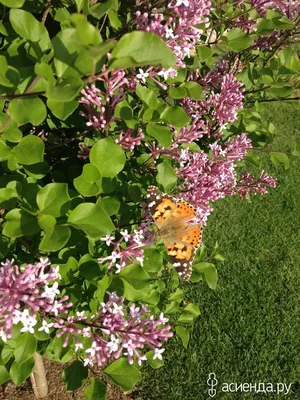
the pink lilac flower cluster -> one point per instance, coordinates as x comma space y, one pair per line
129, 248
247, 184
99, 104
179, 30
129, 140
226, 103
221, 104
25, 294
27, 298
207, 178
118, 330
289, 8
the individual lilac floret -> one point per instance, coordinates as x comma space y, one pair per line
118, 330
24, 294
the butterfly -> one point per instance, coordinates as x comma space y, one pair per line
181, 238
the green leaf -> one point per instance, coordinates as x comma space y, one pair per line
172, 308
111, 205
80, 4
4, 375
62, 109
103, 285
100, 9
13, 135
135, 192
190, 312
123, 374
30, 150
96, 390
210, 273
75, 376
184, 335
161, 133
175, 116
265, 26
38, 170
19, 223
89, 268
45, 71
178, 296
55, 350
194, 90
141, 48
147, 96
123, 111
282, 90
66, 90
92, 219
89, 182
67, 270
66, 50
155, 364
9, 76
97, 52
178, 92
280, 158
27, 110
21, 372
87, 34
238, 40
153, 298
6, 354
132, 294
25, 348
152, 259
8, 198
289, 59
12, 3
55, 239
4, 151
166, 176
283, 23
135, 275
54, 199
204, 52
219, 257
296, 153
27, 26
108, 157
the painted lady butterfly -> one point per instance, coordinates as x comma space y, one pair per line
172, 217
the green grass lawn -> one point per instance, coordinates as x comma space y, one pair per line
249, 328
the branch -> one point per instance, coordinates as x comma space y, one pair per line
20, 95
46, 12
272, 100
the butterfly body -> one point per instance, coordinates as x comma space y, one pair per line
173, 218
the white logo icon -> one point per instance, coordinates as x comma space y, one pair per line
212, 381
